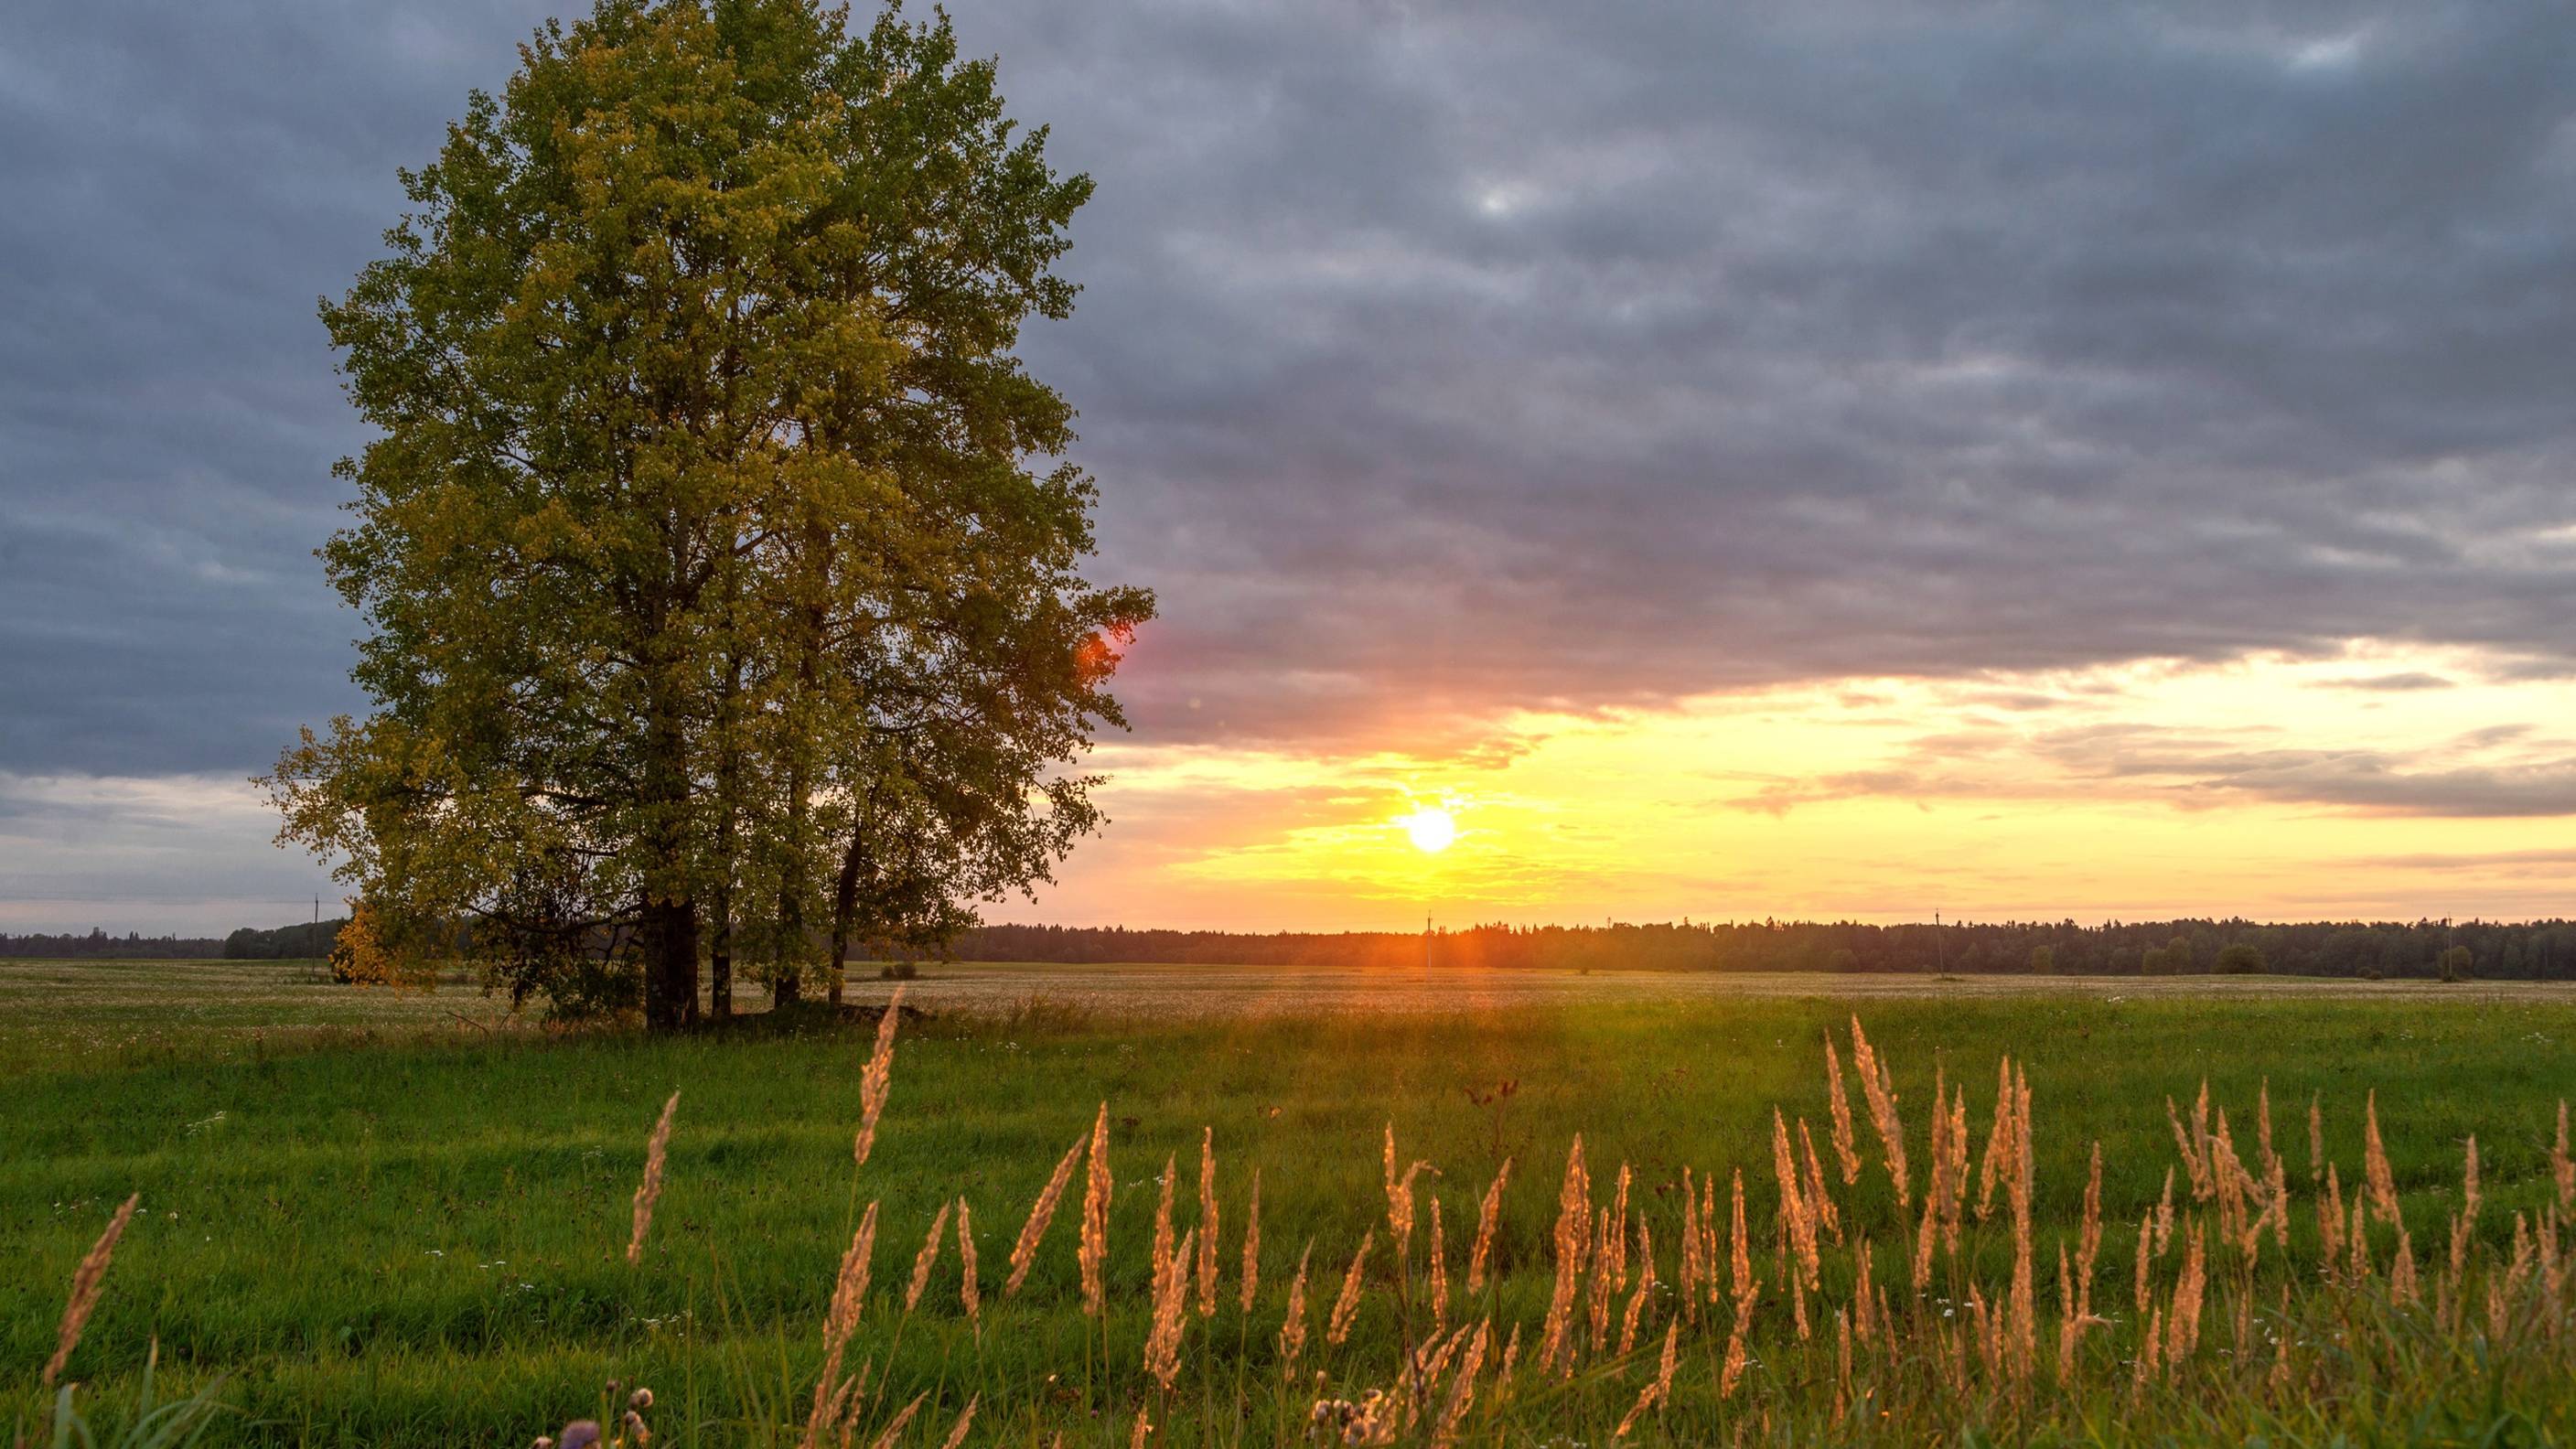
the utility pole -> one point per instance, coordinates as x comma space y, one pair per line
1940, 955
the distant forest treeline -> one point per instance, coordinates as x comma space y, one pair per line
2536, 950
298, 942
301, 941
131, 946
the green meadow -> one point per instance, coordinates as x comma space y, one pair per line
377, 1219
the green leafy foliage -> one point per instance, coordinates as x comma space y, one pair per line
716, 573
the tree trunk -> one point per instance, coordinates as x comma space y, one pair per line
670, 940
845, 901
791, 936
816, 548
720, 961
728, 794
669, 923
786, 987
787, 951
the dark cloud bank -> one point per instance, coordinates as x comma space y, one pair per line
1439, 362
2196, 769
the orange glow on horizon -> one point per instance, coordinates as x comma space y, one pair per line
2273, 787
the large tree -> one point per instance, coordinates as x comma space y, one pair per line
713, 537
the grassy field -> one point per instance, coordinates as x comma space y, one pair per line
393, 1220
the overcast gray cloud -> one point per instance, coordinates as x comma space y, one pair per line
1441, 361
175, 852
2372, 781
1624, 355
2403, 682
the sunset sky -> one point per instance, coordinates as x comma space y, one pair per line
1858, 460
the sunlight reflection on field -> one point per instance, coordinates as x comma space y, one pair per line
1201, 991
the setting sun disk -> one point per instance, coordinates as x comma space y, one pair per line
1430, 828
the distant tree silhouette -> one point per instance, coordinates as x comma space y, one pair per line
2240, 959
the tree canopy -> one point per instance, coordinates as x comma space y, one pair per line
721, 573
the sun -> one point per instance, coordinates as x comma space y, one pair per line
1430, 828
